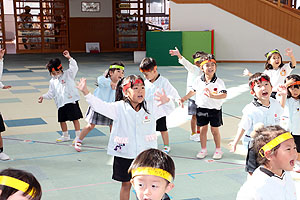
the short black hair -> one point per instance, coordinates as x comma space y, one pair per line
54, 64
296, 77
148, 63
269, 66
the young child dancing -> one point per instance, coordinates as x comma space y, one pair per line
154, 82
19, 185
153, 173
193, 72
3, 156
62, 89
210, 92
275, 69
276, 154
292, 110
106, 91
134, 122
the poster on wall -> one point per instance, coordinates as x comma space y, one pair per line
92, 47
90, 6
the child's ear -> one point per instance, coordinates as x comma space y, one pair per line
169, 187
268, 154
131, 181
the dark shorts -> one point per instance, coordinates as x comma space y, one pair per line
192, 107
273, 95
251, 163
297, 142
120, 169
207, 116
161, 124
2, 126
69, 112
95, 118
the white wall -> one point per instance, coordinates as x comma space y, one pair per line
105, 10
235, 38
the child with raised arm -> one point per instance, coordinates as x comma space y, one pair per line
17, 184
193, 72
62, 89
106, 91
276, 154
134, 123
210, 92
154, 82
3, 156
153, 173
276, 69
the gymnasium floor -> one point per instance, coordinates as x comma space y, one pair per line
32, 129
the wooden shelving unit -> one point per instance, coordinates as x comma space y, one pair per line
2, 27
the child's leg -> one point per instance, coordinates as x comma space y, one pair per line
110, 127
86, 130
1, 141
165, 137
217, 137
125, 190
203, 136
63, 126
76, 125
65, 135
193, 123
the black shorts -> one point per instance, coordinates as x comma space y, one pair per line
251, 163
69, 112
207, 116
161, 124
120, 169
2, 126
297, 142
192, 107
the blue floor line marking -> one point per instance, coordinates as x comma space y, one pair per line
93, 133
24, 122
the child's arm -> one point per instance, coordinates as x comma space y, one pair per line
187, 96
165, 106
289, 53
282, 92
49, 95
175, 53
237, 138
221, 95
247, 73
2, 51
73, 67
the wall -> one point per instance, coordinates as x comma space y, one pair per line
235, 38
91, 27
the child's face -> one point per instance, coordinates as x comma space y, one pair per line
285, 157
136, 94
262, 90
56, 74
275, 60
295, 91
209, 68
149, 187
17, 196
151, 75
116, 75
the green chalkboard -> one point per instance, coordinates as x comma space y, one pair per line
193, 41
158, 45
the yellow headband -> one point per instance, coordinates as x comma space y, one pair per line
206, 61
116, 67
152, 171
196, 59
15, 183
276, 141
271, 52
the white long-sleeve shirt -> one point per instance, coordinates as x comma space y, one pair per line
193, 73
63, 89
1, 71
132, 132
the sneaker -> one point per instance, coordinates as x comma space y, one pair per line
166, 149
63, 139
201, 154
217, 155
195, 137
77, 146
75, 140
3, 156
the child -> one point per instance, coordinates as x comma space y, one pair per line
19, 185
154, 82
63, 89
193, 72
153, 172
292, 107
276, 153
3, 156
134, 121
106, 91
210, 92
275, 69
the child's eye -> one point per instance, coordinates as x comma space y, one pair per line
154, 186
141, 185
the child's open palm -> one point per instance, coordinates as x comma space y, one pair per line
289, 52
81, 85
161, 97
174, 52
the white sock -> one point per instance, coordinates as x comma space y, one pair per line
65, 134
77, 133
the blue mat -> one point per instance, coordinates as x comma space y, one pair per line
93, 133
24, 122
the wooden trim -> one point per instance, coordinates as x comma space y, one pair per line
246, 61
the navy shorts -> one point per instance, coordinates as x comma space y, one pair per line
161, 124
192, 107
120, 169
207, 116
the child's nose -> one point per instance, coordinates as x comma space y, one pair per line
147, 191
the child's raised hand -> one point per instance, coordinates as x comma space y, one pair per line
246, 72
2, 52
81, 85
40, 99
282, 90
66, 54
174, 52
289, 52
161, 97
